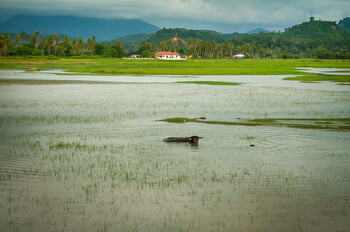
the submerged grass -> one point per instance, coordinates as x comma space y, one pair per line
314, 78
100, 164
316, 123
49, 82
209, 82
161, 67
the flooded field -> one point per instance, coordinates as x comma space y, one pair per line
90, 157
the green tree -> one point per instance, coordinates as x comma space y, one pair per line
55, 42
120, 50
5, 44
36, 39
17, 39
43, 45
80, 45
91, 44
50, 45
146, 49
23, 36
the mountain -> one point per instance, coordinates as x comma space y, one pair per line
257, 30
103, 29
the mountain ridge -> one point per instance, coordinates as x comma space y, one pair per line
85, 27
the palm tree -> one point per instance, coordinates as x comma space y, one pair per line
28, 38
17, 39
56, 40
49, 44
23, 36
90, 45
36, 39
5, 43
2, 44
163, 45
43, 45
80, 45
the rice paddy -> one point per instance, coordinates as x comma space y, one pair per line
89, 157
166, 67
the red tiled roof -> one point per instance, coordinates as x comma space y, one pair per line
167, 53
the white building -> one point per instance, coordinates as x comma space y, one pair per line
168, 55
238, 56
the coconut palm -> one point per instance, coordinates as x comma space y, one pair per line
80, 45
5, 44
55, 41
36, 39
43, 45
23, 36
17, 39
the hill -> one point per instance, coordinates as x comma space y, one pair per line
257, 30
135, 38
314, 30
344, 24
184, 34
103, 29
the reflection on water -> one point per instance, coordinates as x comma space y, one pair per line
91, 158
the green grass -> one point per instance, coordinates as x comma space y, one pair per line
314, 123
161, 67
314, 78
209, 82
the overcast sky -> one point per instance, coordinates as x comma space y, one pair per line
220, 15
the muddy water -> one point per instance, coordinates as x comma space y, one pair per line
91, 158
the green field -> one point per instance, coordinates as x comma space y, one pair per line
161, 67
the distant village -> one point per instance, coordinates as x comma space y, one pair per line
169, 55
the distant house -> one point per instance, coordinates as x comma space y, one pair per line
134, 55
238, 56
168, 55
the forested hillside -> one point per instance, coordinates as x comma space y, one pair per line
184, 34
344, 24
314, 30
312, 39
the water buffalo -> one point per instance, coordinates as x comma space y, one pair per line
192, 139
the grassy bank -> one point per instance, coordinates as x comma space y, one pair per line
161, 67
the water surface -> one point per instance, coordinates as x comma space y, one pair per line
91, 157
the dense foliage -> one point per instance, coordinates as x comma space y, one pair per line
313, 39
24, 44
344, 24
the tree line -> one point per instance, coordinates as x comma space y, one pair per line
262, 45
24, 44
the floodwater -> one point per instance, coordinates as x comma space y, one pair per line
88, 157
